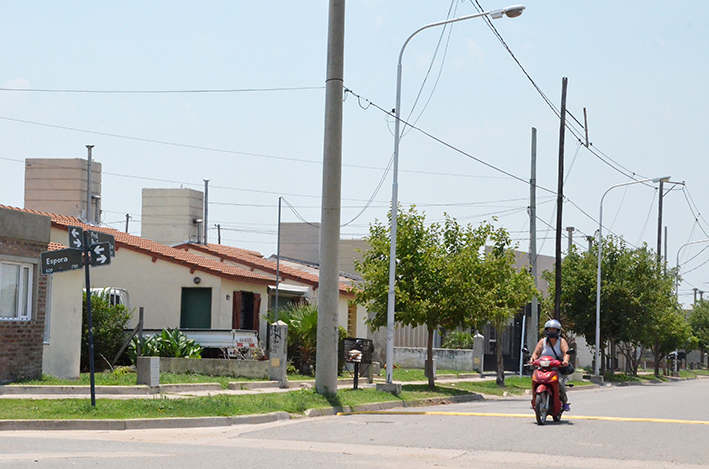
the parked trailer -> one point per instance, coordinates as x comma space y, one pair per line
236, 343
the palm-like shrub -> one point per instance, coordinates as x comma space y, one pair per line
302, 320
169, 343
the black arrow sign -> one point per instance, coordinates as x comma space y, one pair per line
99, 254
76, 237
60, 261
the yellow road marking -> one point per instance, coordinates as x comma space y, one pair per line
569, 417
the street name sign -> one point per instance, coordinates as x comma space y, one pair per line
76, 239
98, 237
61, 260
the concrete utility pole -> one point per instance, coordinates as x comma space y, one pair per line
278, 259
659, 222
88, 185
570, 230
560, 201
533, 326
128, 217
205, 225
328, 287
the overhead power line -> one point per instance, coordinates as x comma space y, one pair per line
226, 90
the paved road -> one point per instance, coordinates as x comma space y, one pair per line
444, 436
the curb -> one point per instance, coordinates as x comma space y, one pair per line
142, 424
328, 411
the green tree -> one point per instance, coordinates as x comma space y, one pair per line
667, 331
636, 297
699, 322
108, 323
439, 276
508, 289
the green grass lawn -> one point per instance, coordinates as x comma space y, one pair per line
295, 402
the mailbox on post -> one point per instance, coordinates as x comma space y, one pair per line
359, 352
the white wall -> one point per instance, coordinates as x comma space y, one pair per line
62, 350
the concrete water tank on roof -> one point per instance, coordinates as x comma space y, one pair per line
58, 185
171, 216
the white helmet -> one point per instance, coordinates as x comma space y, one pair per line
552, 324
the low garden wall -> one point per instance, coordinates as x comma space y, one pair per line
446, 359
216, 367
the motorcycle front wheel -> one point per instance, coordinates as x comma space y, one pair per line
541, 407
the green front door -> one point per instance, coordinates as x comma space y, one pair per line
196, 308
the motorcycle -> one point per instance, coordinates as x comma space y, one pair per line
546, 399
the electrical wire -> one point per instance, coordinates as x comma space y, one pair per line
374, 194
647, 219
446, 27
242, 90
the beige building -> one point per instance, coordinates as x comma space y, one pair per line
59, 185
196, 286
301, 241
298, 282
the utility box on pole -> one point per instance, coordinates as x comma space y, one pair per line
278, 352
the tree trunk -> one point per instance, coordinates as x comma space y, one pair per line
500, 362
657, 357
429, 360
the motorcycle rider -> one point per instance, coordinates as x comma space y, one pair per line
555, 346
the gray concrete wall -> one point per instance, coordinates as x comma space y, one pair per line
25, 226
446, 359
216, 367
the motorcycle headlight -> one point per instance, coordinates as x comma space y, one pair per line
544, 363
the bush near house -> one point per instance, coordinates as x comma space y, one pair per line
108, 324
169, 343
302, 320
458, 340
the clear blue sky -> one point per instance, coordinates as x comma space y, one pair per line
640, 70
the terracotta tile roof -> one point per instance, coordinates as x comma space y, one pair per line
56, 247
248, 258
157, 250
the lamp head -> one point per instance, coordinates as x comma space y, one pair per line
511, 12
662, 179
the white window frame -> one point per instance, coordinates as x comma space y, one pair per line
24, 292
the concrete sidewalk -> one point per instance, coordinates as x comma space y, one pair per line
186, 390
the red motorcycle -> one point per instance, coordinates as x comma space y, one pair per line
545, 389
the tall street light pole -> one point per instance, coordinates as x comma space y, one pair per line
598, 274
511, 12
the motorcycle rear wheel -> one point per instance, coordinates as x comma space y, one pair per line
541, 407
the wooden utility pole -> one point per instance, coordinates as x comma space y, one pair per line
560, 202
